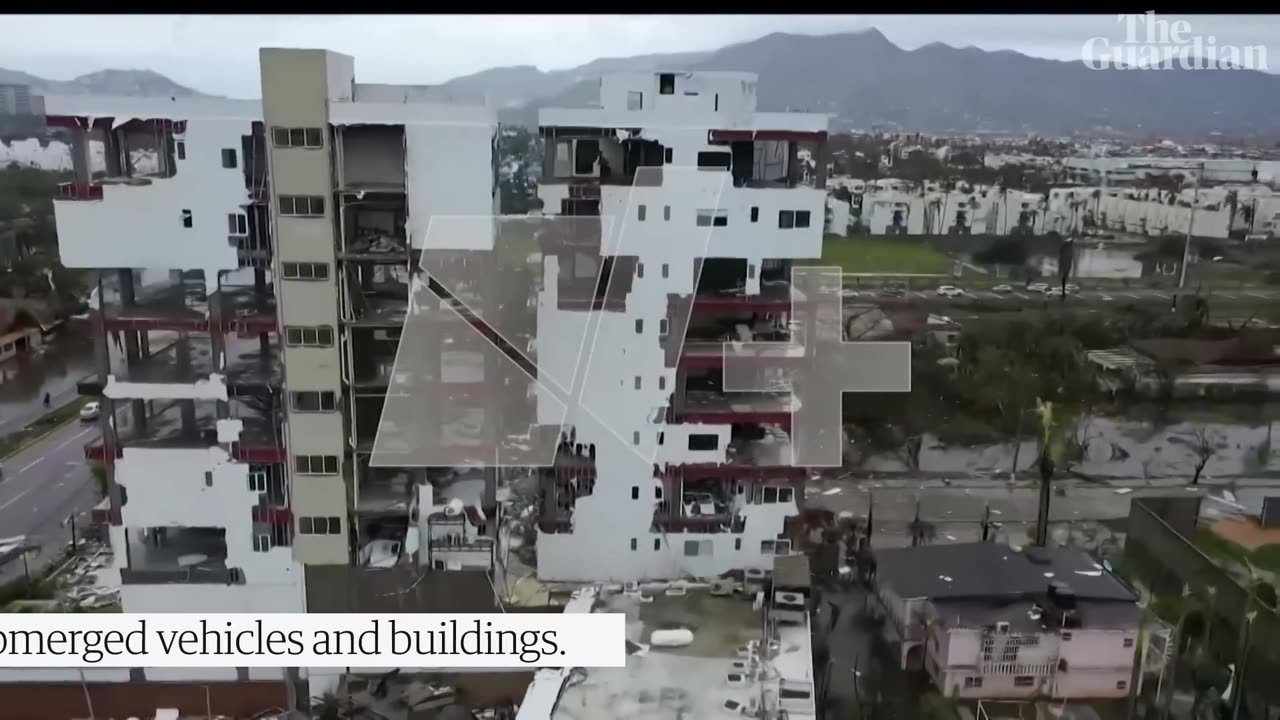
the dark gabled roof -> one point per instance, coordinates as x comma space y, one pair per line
992, 571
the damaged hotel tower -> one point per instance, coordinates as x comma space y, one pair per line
252, 399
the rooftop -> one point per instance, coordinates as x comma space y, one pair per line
691, 681
979, 571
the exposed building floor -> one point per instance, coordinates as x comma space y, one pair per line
164, 425
246, 364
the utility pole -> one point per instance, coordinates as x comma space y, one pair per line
1186, 246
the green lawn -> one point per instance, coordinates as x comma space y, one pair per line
883, 255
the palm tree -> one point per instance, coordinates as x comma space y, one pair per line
922, 532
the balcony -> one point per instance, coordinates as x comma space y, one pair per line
78, 191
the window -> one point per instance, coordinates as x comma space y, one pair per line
713, 218
181, 148
802, 218
315, 464
1128, 642
635, 100
637, 382
1066, 637
320, 525
639, 326
768, 547
657, 492
302, 205
310, 138
755, 214
257, 482
662, 438
635, 438
694, 548
770, 494
666, 212
261, 543
321, 336
737, 543
786, 219
305, 271
666, 271
972, 682
1121, 684
667, 84
714, 160
662, 332
313, 400
662, 382
186, 219
635, 492
704, 441
228, 158
667, 155
640, 212
785, 494
237, 224
634, 544
657, 544
1024, 681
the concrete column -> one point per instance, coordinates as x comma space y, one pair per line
820, 159
218, 339
132, 348
260, 299
102, 361
681, 389
794, 172
113, 155
182, 355
81, 164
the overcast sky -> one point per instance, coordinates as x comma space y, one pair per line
218, 54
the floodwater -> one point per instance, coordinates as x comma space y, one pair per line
1147, 441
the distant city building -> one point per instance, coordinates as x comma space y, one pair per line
18, 100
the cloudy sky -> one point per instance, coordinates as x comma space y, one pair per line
218, 54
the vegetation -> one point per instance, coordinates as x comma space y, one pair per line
26, 211
15, 441
520, 150
884, 255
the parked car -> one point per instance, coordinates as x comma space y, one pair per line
949, 291
1037, 287
1002, 289
893, 292
90, 411
1072, 288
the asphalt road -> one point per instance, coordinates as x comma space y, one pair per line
42, 485
1020, 296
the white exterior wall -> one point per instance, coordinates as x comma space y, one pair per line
141, 226
613, 414
1097, 662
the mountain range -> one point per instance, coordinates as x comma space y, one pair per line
863, 81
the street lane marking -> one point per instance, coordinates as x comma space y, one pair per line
41, 459
18, 497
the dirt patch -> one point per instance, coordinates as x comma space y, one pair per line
1246, 533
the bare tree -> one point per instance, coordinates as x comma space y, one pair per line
1205, 446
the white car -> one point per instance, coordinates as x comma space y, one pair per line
1002, 289
949, 291
1072, 288
1037, 287
90, 411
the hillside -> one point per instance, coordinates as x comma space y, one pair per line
864, 80
131, 83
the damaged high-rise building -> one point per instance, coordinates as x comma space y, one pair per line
349, 351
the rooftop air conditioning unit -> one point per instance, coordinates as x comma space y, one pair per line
1002, 628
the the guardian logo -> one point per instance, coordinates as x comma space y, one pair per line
1152, 43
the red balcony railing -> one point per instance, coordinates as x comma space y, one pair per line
78, 191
